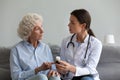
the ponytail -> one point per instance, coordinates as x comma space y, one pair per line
90, 32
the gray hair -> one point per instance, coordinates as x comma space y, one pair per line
27, 24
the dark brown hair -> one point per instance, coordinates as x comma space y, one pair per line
83, 16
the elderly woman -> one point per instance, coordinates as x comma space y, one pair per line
31, 59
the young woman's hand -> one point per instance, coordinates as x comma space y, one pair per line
64, 67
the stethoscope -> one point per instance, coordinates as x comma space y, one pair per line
71, 43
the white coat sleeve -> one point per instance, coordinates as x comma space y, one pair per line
92, 61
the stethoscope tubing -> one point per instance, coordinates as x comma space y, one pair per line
70, 42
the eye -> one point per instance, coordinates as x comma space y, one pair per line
72, 22
36, 28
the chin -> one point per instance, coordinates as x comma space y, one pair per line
71, 32
40, 38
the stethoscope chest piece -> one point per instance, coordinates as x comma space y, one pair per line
84, 62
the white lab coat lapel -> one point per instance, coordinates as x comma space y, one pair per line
80, 51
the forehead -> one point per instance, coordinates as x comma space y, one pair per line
73, 18
38, 22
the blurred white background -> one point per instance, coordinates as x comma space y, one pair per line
105, 18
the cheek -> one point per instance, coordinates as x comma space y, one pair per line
76, 29
37, 34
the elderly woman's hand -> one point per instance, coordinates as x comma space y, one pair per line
64, 67
44, 66
53, 73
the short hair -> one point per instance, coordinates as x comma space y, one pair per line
27, 24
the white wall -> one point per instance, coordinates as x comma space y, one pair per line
105, 18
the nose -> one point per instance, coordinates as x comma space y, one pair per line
41, 30
68, 24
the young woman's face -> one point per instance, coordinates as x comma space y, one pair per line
75, 26
37, 31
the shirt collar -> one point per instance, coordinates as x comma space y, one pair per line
85, 40
28, 44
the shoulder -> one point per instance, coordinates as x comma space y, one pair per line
44, 48
16, 47
20, 44
44, 45
95, 41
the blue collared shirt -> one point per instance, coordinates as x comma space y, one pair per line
24, 58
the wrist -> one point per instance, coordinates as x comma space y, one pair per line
38, 69
72, 69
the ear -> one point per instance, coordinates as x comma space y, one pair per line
84, 26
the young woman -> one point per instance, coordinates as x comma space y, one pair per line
80, 53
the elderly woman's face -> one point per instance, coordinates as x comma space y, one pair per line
37, 31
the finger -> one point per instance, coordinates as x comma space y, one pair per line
60, 66
52, 62
47, 64
53, 73
50, 73
63, 62
57, 74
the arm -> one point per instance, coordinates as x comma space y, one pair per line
16, 71
93, 59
